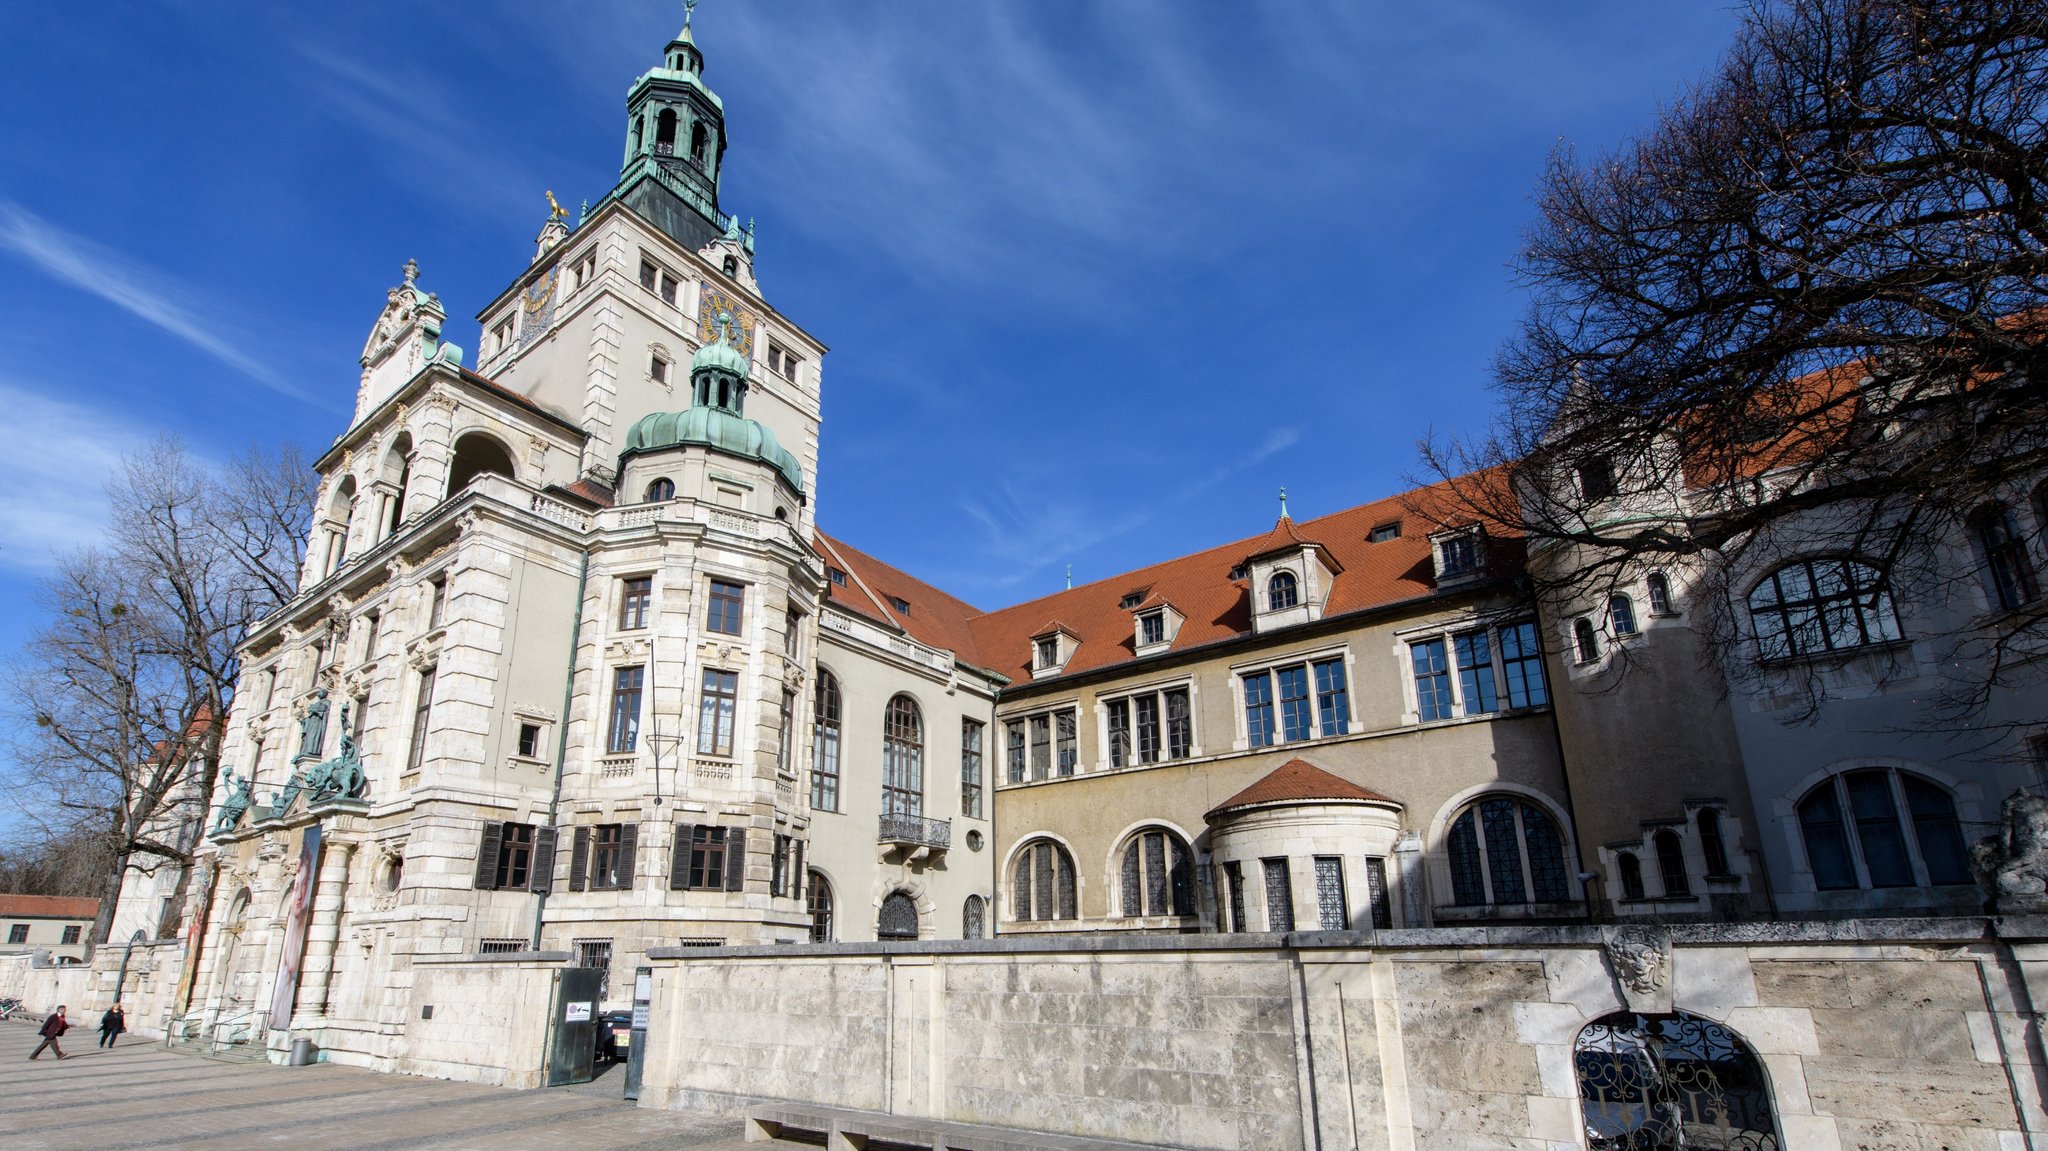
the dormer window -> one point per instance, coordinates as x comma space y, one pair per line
1131, 599
1385, 533
1049, 652
1596, 479
1151, 628
901, 605
1283, 591
1460, 555
837, 576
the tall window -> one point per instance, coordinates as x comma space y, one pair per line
2005, 551
1066, 743
1013, 739
723, 613
634, 596
1855, 837
624, 734
1659, 587
1671, 864
1521, 665
709, 858
818, 901
1621, 615
1432, 680
437, 602
974, 918
609, 867
825, 744
1377, 898
1164, 727
1233, 878
1043, 883
970, 770
1630, 869
1506, 850
504, 858
786, 733
1299, 714
902, 758
422, 711
1821, 605
1279, 896
1282, 591
1331, 912
1475, 672
1158, 875
717, 712
1712, 845
1585, 639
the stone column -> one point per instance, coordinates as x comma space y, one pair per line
325, 930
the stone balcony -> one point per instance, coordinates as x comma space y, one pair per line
915, 835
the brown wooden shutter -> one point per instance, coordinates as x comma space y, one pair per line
487, 851
796, 883
736, 859
679, 863
540, 877
629, 838
579, 859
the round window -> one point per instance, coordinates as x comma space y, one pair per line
974, 841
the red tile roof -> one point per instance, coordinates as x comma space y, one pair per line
1283, 538
936, 619
48, 907
1298, 781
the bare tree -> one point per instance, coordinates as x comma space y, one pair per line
129, 683
1805, 310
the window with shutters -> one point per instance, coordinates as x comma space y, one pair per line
602, 856
1043, 883
825, 744
505, 858
709, 858
1279, 895
1158, 874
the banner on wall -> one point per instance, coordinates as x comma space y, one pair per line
298, 916
195, 933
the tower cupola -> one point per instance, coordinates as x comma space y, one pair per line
675, 145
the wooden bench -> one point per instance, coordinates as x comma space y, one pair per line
851, 1129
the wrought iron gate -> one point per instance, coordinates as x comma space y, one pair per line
1663, 1082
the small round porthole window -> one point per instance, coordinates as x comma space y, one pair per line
974, 841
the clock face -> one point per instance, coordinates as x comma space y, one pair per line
710, 302
541, 290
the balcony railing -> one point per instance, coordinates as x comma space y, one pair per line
916, 831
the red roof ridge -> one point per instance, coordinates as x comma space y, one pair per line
1298, 781
1282, 537
882, 613
50, 906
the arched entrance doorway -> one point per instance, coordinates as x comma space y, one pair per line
1657, 1082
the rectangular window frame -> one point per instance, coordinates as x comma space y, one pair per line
725, 607
1298, 698
718, 712
972, 738
622, 733
1512, 679
636, 598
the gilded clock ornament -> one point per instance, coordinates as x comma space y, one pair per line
711, 305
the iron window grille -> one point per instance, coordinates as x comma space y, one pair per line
1044, 887
1158, 875
1331, 912
1505, 850
1279, 896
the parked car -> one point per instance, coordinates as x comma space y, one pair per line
614, 1036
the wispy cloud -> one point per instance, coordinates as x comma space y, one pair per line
425, 140
50, 451
140, 291
1027, 529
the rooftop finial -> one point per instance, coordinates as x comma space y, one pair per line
1070, 577
555, 210
689, 11
412, 272
1283, 503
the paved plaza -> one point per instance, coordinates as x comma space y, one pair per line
139, 1095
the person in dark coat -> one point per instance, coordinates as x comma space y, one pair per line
53, 1028
112, 1024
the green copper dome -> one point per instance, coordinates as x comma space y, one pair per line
720, 355
719, 430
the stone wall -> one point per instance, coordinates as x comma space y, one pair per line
87, 990
1872, 1035
488, 1021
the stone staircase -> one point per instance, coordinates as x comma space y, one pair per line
227, 1053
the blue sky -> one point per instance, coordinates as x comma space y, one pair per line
1098, 277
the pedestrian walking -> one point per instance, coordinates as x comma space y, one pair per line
112, 1024
53, 1028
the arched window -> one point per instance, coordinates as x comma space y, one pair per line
1282, 591
1657, 1081
665, 132
819, 902
475, 454
825, 744
1712, 845
902, 758
974, 918
2005, 553
1631, 871
1621, 616
1821, 605
639, 132
1671, 864
731, 266
342, 513
1506, 850
661, 489
1883, 850
1659, 587
700, 144
898, 919
1585, 641
1044, 883
1158, 874
398, 469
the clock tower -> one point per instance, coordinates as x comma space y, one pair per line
675, 145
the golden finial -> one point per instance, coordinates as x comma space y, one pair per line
556, 211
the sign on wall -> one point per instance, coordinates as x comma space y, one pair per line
298, 916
